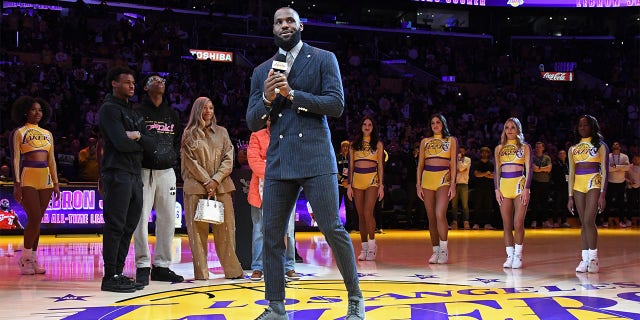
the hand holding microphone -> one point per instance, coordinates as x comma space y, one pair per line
276, 82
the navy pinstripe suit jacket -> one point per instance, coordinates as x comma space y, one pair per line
300, 144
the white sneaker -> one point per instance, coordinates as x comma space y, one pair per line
623, 225
371, 253
26, 266
593, 266
37, 268
434, 258
508, 263
582, 267
517, 262
443, 256
363, 253
534, 224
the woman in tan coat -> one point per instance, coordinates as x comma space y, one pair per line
207, 161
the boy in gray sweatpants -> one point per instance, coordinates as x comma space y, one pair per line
159, 185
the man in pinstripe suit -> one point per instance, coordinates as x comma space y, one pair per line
300, 155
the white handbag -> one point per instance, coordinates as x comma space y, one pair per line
210, 211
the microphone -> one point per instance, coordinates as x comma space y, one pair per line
279, 65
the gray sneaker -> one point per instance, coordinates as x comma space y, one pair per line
270, 314
355, 309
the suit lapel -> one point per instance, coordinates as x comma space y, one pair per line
303, 58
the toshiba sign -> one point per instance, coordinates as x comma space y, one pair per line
557, 76
219, 56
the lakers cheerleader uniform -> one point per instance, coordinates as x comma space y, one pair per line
29, 173
434, 177
591, 167
588, 169
512, 184
363, 178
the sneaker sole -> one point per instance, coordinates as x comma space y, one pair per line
118, 290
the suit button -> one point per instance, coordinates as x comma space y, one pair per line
281, 136
280, 115
300, 134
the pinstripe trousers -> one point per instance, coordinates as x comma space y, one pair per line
279, 199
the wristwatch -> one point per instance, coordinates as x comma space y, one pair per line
291, 95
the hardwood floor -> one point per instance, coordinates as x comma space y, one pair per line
400, 284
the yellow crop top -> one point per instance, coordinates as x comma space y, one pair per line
437, 147
511, 154
585, 151
31, 138
366, 153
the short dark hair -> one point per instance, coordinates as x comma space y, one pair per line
22, 105
115, 72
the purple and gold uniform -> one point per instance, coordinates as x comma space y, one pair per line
434, 177
511, 184
363, 178
28, 173
591, 166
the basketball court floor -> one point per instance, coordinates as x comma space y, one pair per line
400, 284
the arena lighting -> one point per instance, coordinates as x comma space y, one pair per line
394, 61
14, 4
152, 8
540, 3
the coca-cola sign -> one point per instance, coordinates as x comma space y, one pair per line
557, 76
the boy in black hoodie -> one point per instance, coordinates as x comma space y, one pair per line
125, 137
159, 184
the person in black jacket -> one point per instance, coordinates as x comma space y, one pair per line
125, 137
159, 184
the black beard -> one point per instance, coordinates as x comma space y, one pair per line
287, 45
